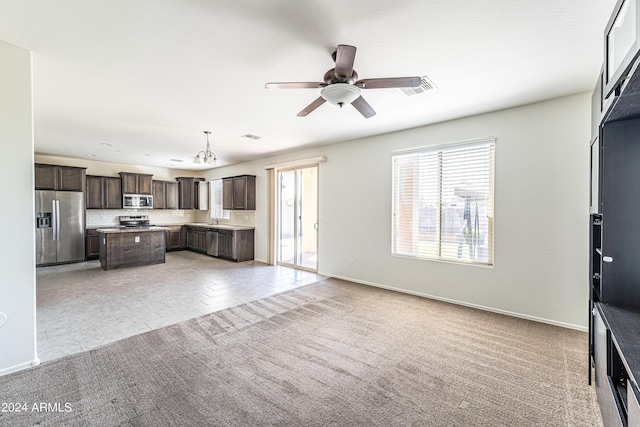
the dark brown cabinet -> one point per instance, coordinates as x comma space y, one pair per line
196, 238
92, 244
200, 241
225, 244
236, 245
171, 195
189, 192
103, 192
112, 193
59, 178
119, 250
135, 183
165, 195
239, 192
159, 191
227, 193
173, 238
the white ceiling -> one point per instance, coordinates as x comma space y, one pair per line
148, 77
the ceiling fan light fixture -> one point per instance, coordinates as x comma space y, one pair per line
206, 156
340, 93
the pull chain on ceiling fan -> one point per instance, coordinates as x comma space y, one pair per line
341, 85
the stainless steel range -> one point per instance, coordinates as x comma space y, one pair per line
134, 221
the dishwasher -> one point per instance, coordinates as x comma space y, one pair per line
212, 242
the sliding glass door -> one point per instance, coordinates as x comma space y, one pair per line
298, 217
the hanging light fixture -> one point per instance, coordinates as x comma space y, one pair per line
340, 93
206, 156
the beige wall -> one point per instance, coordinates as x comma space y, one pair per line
17, 252
541, 212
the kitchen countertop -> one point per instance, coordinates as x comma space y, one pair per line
164, 226
219, 226
130, 230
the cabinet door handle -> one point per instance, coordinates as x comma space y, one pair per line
607, 259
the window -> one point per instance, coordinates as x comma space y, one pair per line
216, 201
443, 203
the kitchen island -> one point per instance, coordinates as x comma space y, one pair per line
129, 247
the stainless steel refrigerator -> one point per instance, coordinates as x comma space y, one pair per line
59, 227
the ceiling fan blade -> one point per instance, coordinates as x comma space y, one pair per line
363, 106
309, 108
389, 82
294, 85
345, 56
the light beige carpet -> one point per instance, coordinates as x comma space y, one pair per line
329, 354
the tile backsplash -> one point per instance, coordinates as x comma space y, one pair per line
97, 218
247, 218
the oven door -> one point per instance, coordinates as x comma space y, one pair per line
145, 202
130, 201
137, 201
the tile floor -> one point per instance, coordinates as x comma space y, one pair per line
80, 306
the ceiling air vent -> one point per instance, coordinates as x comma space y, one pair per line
176, 160
425, 85
251, 136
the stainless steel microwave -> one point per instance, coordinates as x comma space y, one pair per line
137, 201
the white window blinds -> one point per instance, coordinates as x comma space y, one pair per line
216, 211
443, 203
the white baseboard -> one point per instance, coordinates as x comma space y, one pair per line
20, 367
463, 303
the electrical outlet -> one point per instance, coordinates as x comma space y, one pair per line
352, 264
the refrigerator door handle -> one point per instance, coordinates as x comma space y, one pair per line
53, 219
56, 220
58, 217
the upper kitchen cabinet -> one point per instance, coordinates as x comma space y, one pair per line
202, 195
239, 193
135, 183
103, 192
193, 193
60, 178
165, 194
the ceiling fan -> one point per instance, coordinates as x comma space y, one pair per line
341, 85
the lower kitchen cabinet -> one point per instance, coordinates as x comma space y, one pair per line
236, 245
196, 239
225, 244
173, 238
92, 244
200, 241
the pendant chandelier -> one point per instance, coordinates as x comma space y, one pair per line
207, 156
